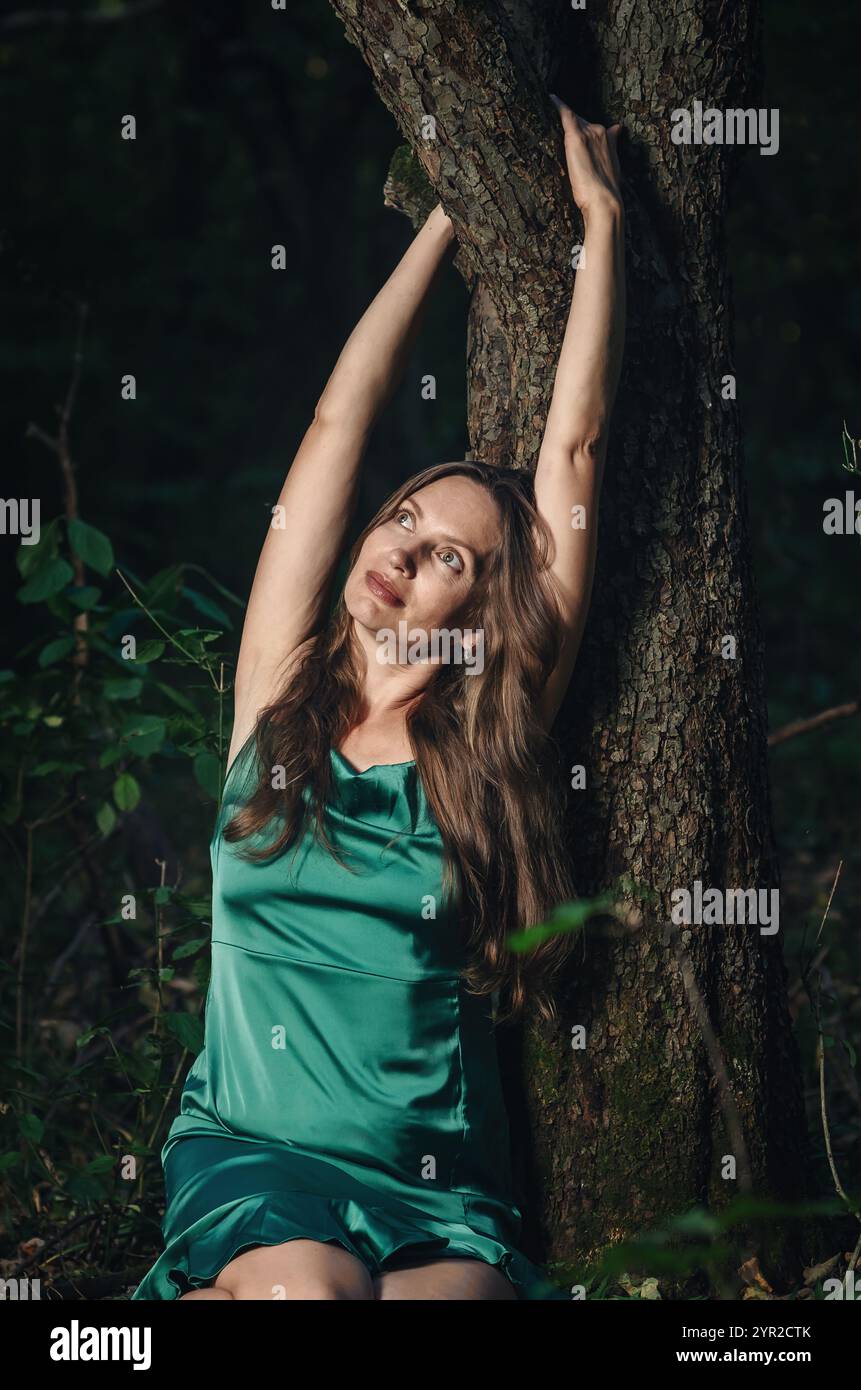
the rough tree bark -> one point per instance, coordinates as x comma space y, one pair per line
613, 1138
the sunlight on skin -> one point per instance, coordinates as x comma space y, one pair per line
433, 578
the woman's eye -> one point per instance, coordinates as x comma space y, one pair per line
450, 558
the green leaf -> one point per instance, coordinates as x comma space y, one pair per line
55, 651
163, 894
31, 1127
177, 697
695, 1222
200, 973
85, 597
122, 688
190, 948
144, 734
106, 818
84, 1187
206, 606
105, 1163
207, 770
187, 1029
127, 792
195, 907
91, 546
565, 917
163, 588
30, 558
187, 732
100, 1030
9, 1161
44, 769
48, 580
110, 756
190, 635
149, 651
12, 1064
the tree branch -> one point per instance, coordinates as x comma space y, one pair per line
37, 19
804, 726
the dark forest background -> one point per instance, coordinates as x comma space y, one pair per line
257, 127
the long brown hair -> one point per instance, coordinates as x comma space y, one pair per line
501, 815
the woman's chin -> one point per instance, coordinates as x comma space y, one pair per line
370, 612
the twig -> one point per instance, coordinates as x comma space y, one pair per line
163, 630
22, 957
60, 447
27, 922
828, 904
804, 726
820, 1061
716, 1060
68, 1289
159, 946
85, 1056
221, 749
36, 19
170, 1091
39, 1255
54, 974
820, 1057
219, 588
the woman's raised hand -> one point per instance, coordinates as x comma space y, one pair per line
593, 160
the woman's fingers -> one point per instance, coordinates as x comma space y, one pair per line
613, 133
571, 122
591, 154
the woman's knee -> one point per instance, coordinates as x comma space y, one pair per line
205, 1293
297, 1269
294, 1284
318, 1286
444, 1279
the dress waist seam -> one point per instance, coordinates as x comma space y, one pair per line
348, 969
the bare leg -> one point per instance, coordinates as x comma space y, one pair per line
302, 1269
436, 1279
206, 1293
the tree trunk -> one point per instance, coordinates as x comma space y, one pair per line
614, 1137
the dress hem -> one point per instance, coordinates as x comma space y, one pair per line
195, 1258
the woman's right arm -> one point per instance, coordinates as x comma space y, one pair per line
310, 523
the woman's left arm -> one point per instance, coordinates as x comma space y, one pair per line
571, 460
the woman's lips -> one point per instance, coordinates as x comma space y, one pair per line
381, 589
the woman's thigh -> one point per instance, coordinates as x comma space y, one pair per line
205, 1293
296, 1269
454, 1278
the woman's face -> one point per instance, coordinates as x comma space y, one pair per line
430, 556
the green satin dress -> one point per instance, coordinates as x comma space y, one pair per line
348, 1089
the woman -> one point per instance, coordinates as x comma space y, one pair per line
388, 819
